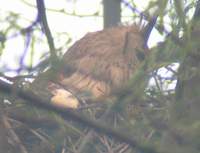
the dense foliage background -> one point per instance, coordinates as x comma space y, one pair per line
158, 111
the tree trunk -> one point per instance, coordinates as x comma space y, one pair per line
112, 12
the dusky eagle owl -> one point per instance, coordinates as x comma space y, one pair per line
97, 64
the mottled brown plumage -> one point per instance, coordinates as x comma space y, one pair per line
102, 61
94, 66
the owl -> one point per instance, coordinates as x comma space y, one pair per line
96, 65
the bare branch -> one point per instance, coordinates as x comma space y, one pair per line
40, 102
44, 24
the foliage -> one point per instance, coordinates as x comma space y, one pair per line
156, 116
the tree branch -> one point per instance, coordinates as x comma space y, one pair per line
197, 10
40, 102
44, 24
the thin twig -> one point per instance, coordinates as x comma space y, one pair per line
42, 138
14, 136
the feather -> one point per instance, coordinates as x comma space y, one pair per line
98, 64
103, 60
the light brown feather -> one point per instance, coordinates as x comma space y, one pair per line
103, 60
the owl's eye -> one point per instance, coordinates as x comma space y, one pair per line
140, 54
67, 70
